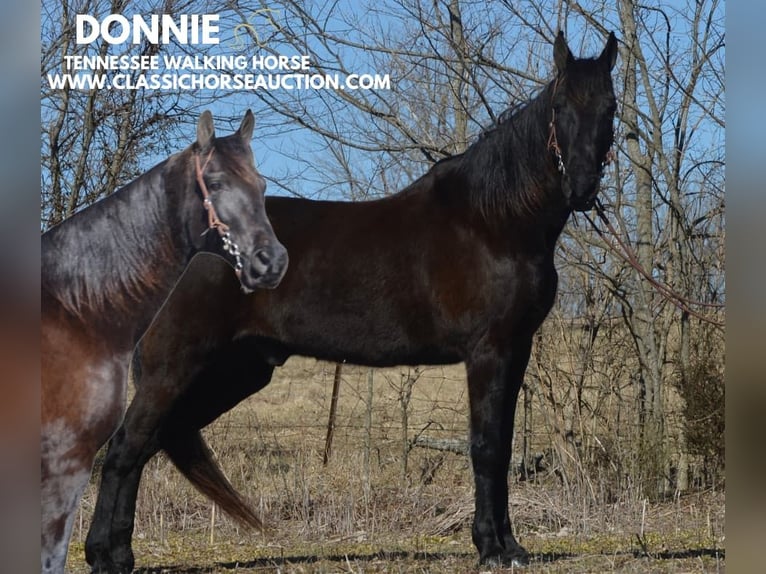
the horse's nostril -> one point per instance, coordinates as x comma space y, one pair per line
263, 257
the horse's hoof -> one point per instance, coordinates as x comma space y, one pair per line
110, 567
518, 561
517, 558
111, 570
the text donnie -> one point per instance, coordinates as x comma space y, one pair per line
159, 29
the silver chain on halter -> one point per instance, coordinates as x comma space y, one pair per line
230, 247
559, 160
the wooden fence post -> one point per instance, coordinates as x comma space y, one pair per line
333, 410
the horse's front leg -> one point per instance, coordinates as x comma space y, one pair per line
64, 478
494, 380
70, 439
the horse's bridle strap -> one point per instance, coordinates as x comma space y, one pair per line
212, 217
213, 221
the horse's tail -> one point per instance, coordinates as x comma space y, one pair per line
194, 459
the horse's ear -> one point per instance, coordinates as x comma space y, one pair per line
609, 55
205, 131
561, 54
245, 130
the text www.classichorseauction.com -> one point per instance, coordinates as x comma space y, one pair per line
212, 72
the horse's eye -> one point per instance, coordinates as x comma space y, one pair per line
215, 185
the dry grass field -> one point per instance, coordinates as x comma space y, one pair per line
381, 504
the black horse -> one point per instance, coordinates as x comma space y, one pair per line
456, 267
105, 273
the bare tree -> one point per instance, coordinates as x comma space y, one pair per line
668, 207
676, 188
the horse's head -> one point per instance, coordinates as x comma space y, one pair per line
234, 211
581, 129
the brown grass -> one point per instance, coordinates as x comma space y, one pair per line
368, 512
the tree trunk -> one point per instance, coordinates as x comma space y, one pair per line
643, 316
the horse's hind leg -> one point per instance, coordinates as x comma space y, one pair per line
158, 405
107, 547
169, 357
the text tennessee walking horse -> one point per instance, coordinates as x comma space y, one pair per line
105, 273
456, 267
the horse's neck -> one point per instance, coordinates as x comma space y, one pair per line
114, 263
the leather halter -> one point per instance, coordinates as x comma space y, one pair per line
214, 222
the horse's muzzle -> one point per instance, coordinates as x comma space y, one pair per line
581, 191
265, 268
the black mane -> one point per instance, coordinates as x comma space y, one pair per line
507, 168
